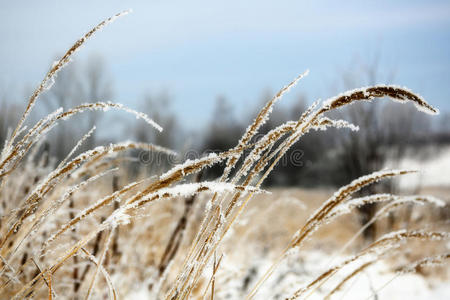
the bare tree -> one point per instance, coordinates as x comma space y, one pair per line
65, 94
222, 132
8, 113
443, 130
95, 85
76, 84
157, 107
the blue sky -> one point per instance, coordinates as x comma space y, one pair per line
197, 50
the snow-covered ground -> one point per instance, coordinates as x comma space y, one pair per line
377, 282
434, 170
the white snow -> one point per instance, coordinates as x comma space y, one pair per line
376, 282
433, 171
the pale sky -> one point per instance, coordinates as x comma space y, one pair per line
197, 50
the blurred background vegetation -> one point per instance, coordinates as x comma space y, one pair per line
388, 131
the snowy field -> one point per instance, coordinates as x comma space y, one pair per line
376, 283
434, 171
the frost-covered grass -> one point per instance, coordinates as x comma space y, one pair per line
82, 228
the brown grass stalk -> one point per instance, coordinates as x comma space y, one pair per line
64, 60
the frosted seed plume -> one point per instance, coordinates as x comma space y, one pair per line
78, 145
323, 123
433, 261
396, 93
260, 120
